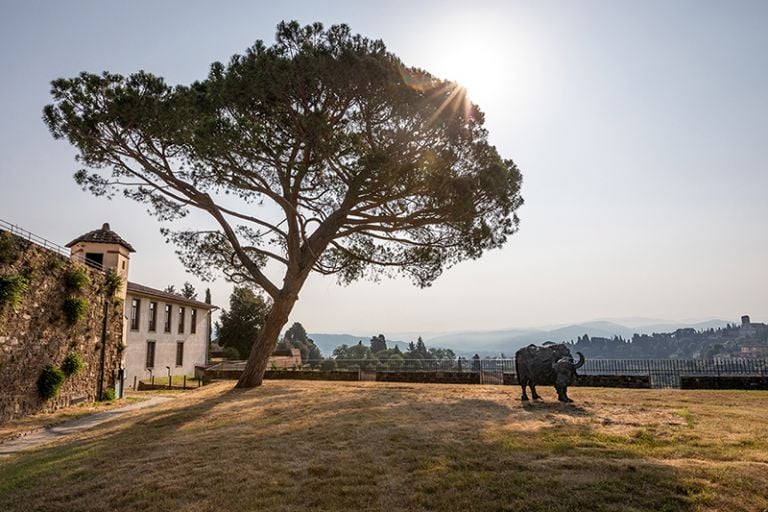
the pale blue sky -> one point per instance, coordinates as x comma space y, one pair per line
641, 130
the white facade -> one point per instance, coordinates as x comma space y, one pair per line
155, 343
178, 346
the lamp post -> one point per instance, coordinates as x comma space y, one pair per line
169, 376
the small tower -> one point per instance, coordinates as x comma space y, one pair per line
745, 321
104, 249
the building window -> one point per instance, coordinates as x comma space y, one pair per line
150, 354
167, 319
181, 319
193, 327
152, 316
94, 259
135, 304
179, 353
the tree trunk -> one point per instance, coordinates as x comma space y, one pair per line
265, 342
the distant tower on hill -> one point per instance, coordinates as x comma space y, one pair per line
103, 248
745, 320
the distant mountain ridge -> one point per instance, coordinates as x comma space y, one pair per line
508, 341
327, 342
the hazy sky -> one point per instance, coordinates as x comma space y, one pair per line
641, 129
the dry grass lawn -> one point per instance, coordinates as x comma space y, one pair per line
298, 445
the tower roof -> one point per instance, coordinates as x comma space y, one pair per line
102, 236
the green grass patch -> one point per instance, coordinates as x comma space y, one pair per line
688, 416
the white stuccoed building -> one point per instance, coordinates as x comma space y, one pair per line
161, 330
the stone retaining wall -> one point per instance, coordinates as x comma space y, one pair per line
36, 333
724, 382
429, 377
311, 375
614, 381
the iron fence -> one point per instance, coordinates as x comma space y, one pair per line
666, 373
47, 244
663, 373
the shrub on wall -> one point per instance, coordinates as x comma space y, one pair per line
72, 364
55, 262
75, 309
50, 381
9, 248
112, 282
12, 288
77, 279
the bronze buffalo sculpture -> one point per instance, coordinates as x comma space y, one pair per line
551, 364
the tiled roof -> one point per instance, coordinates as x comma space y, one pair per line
102, 236
154, 292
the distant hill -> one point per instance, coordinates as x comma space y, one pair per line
508, 341
327, 342
492, 343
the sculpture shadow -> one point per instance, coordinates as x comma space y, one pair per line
543, 406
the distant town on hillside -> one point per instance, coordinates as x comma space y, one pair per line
711, 340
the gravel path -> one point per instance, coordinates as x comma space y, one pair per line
48, 435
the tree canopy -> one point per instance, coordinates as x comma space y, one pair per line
239, 326
296, 337
378, 343
187, 291
322, 152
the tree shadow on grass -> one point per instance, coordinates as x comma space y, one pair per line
295, 446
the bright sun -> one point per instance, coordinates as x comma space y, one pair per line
485, 57
474, 70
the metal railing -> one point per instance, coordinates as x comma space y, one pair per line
666, 373
663, 373
227, 366
47, 244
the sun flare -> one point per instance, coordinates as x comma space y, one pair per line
492, 63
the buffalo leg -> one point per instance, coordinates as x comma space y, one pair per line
562, 394
534, 393
524, 398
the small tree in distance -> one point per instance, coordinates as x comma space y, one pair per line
378, 343
240, 325
188, 291
322, 152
